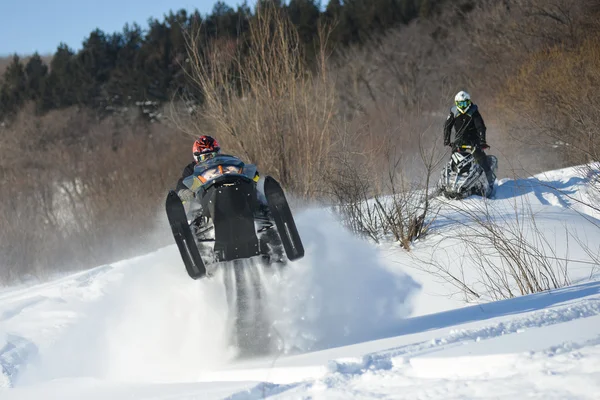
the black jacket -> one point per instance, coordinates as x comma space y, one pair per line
469, 127
187, 171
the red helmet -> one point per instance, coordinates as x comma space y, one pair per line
205, 147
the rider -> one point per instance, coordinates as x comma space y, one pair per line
204, 148
470, 130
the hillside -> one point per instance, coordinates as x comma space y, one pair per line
353, 319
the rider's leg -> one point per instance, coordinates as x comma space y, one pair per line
481, 159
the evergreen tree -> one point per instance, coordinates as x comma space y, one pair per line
409, 10
6, 108
36, 72
223, 21
59, 90
305, 14
269, 3
425, 8
136, 66
14, 87
335, 15
125, 83
98, 56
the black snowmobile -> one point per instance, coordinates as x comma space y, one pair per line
232, 218
463, 176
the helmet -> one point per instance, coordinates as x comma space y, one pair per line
205, 147
462, 101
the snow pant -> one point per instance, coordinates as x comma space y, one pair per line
481, 159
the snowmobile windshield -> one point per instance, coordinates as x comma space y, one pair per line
465, 149
215, 162
206, 171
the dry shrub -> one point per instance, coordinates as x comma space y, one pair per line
510, 45
554, 95
397, 86
556, 89
406, 69
265, 103
77, 192
378, 195
494, 255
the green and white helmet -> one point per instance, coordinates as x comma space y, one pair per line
462, 101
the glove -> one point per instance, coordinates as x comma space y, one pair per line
185, 195
483, 145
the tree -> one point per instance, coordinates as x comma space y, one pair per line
14, 87
125, 83
92, 67
98, 56
409, 10
59, 89
36, 72
425, 9
304, 14
336, 16
222, 22
156, 57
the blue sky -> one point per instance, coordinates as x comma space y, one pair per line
27, 26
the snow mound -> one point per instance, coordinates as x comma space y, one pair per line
340, 293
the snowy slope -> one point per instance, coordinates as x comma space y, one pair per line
353, 320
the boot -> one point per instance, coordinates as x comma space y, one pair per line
491, 177
481, 159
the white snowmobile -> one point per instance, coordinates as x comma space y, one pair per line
463, 176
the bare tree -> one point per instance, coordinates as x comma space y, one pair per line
264, 101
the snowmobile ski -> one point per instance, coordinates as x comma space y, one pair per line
284, 221
183, 237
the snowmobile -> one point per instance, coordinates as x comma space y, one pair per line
232, 218
463, 176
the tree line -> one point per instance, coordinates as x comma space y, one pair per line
144, 67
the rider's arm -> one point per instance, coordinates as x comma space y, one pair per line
187, 171
480, 126
448, 128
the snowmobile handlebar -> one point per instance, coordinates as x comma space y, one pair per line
226, 180
468, 147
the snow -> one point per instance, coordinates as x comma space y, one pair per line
353, 320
